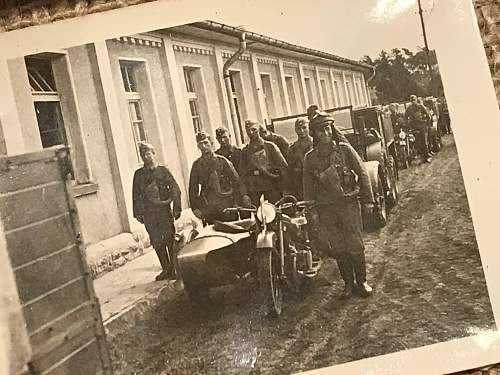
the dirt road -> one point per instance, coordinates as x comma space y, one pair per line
429, 288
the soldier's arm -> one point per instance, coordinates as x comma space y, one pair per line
284, 145
308, 180
243, 168
234, 177
279, 160
175, 191
194, 187
137, 196
357, 165
340, 136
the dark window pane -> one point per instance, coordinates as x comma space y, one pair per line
50, 123
188, 78
40, 74
231, 78
193, 107
128, 77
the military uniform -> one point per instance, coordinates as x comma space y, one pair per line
231, 153
151, 189
278, 140
337, 181
263, 171
418, 117
213, 186
295, 160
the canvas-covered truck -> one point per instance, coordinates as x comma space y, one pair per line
370, 132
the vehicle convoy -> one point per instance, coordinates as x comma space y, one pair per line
371, 134
272, 247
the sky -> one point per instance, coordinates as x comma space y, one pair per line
349, 28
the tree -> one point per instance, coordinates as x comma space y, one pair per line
401, 73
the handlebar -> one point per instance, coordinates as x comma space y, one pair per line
280, 206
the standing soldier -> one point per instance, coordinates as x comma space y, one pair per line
154, 190
295, 157
226, 149
417, 116
335, 178
277, 139
263, 168
213, 184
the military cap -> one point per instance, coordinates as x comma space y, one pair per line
319, 121
250, 123
201, 136
301, 121
219, 132
145, 147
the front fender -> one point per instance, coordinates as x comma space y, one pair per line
374, 169
265, 239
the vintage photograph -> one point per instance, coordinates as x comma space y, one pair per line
232, 196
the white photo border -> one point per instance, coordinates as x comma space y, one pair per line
476, 124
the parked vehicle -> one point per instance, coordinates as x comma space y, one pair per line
371, 134
412, 146
272, 246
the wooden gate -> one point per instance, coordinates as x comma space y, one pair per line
44, 243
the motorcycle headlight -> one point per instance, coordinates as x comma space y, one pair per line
266, 213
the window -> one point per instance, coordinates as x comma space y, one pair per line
135, 111
357, 95
129, 71
190, 78
337, 93
46, 101
290, 88
235, 79
324, 92
348, 89
307, 81
128, 76
195, 116
268, 95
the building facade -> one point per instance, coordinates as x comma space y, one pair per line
162, 87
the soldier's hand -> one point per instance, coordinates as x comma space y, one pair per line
247, 202
198, 213
140, 218
368, 208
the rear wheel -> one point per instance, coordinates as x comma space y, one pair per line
271, 294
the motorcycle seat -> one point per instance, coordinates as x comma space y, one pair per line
239, 226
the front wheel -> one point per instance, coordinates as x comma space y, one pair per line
270, 291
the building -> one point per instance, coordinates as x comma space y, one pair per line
161, 87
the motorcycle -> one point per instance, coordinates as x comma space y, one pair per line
412, 146
402, 149
272, 246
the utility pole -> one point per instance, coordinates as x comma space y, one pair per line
420, 12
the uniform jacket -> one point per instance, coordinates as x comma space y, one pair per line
324, 176
279, 141
231, 153
166, 185
257, 161
295, 159
213, 182
417, 116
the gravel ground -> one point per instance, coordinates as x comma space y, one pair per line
424, 266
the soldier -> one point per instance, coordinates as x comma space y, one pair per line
277, 139
417, 116
263, 168
226, 149
213, 184
336, 179
295, 157
154, 190
314, 111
